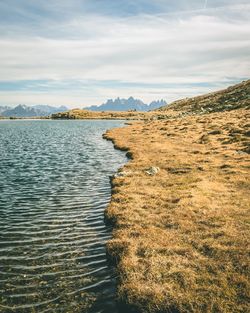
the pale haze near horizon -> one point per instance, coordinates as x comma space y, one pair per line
82, 52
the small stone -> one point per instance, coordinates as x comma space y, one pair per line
123, 174
241, 152
153, 170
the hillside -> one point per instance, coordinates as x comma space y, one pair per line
84, 114
180, 207
234, 97
126, 105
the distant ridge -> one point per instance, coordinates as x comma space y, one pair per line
4, 108
126, 105
231, 98
31, 111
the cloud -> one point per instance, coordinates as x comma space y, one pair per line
140, 53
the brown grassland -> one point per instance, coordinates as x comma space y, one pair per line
180, 238
84, 114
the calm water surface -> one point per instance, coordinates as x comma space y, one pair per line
54, 188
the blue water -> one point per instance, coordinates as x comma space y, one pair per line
54, 188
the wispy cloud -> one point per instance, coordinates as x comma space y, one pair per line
82, 52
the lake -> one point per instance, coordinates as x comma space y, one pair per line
54, 188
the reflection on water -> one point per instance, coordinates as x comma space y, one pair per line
54, 187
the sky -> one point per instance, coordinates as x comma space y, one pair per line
83, 52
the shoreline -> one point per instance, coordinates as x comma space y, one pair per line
171, 236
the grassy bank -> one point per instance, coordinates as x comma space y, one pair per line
109, 115
180, 210
84, 114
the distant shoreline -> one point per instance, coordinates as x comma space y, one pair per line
25, 118
63, 119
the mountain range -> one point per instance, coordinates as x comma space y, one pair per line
111, 105
126, 105
30, 111
4, 108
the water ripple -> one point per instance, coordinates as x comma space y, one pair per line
54, 188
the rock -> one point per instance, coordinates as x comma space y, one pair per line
123, 174
241, 152
153, 170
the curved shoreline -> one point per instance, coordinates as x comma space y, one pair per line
109, 220
171, 236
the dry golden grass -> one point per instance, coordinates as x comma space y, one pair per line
234, 97
128, 115
180, 237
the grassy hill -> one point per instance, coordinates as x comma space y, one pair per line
232, 98
180, 207
126, 115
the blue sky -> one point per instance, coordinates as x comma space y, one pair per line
82, 52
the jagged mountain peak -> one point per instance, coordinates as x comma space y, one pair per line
121, 104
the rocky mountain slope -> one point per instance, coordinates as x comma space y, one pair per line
234, 97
